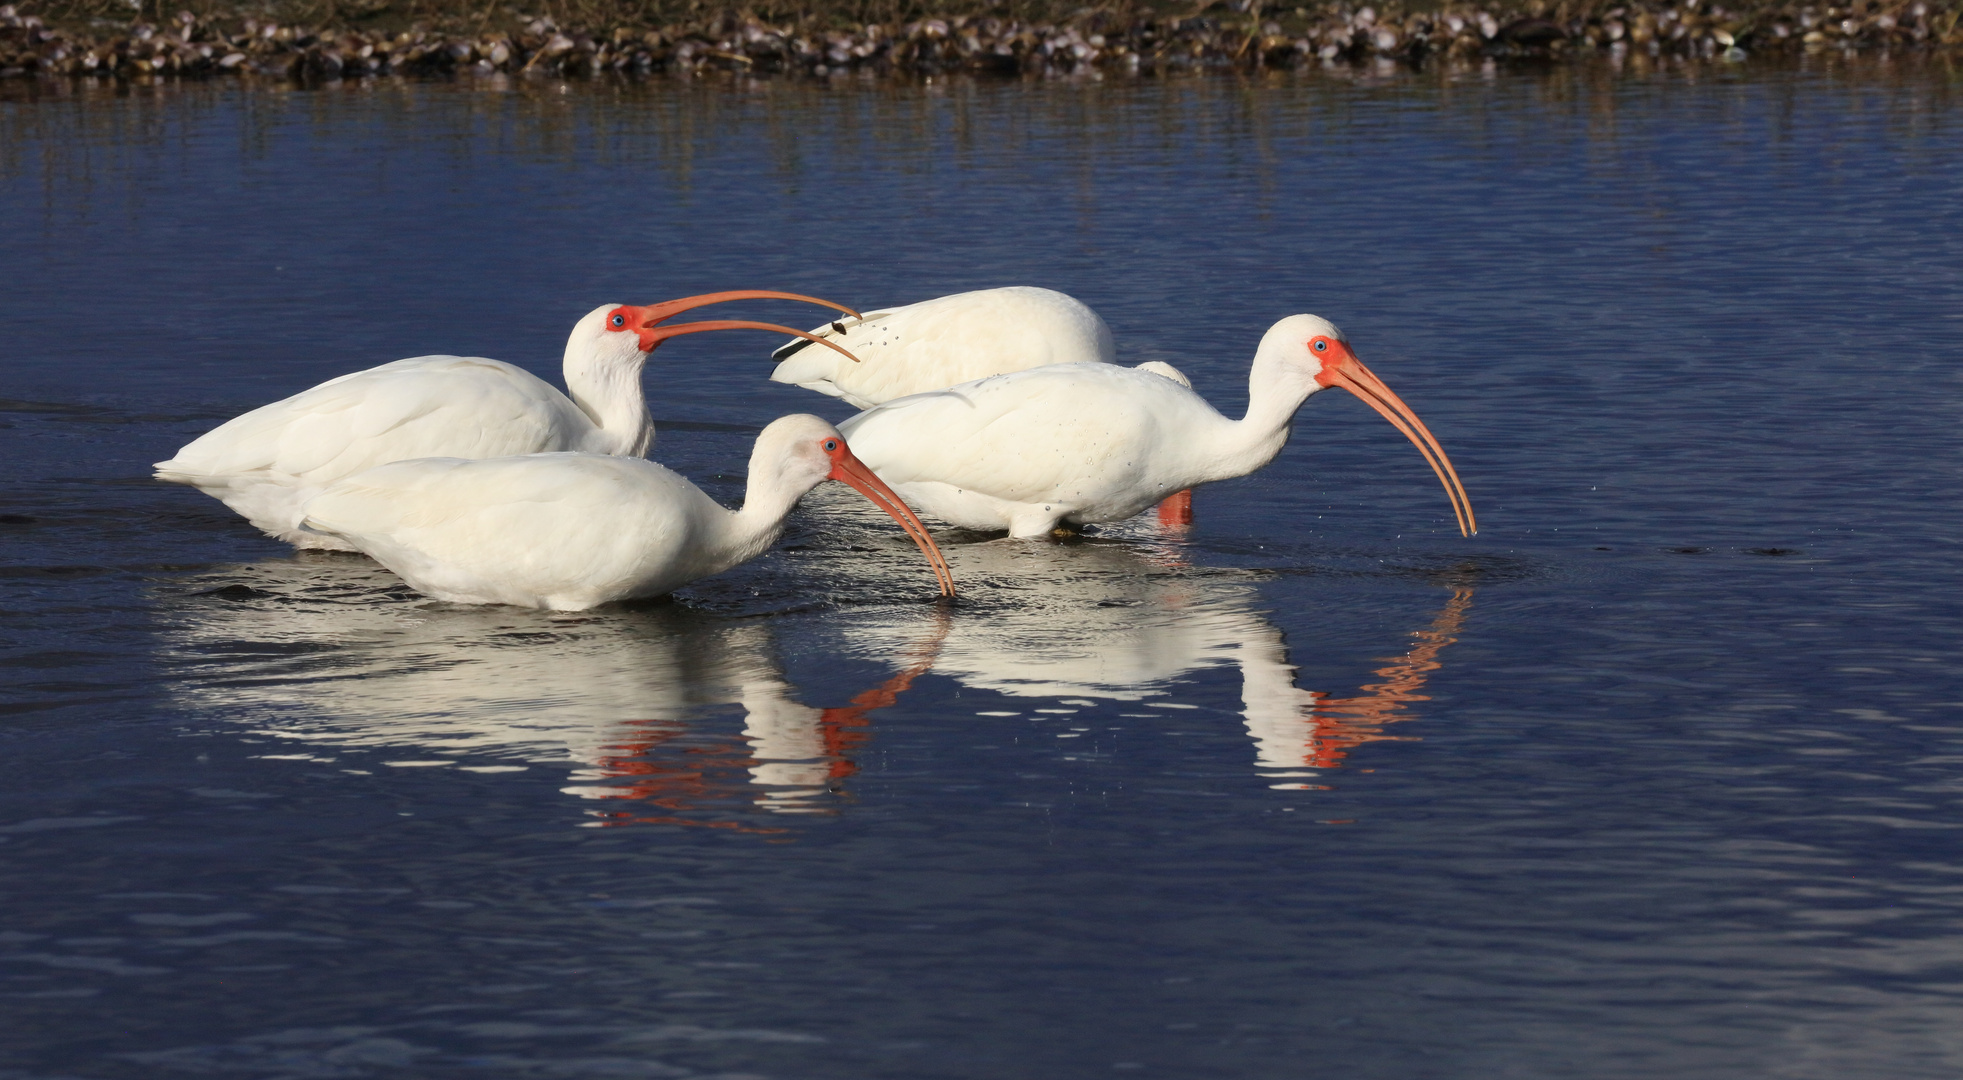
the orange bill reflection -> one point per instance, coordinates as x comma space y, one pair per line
1319, 731
789, 759
1129, 621
654, 714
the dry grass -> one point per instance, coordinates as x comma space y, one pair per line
489, 15
324, 39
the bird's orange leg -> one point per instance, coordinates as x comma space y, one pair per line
1177, 509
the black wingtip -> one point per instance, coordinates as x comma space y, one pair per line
785, 352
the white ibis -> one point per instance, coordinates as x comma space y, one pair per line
948, 340
568, 531
1070, 444
954, 339
268, 462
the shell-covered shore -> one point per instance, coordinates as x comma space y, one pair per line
1243, 34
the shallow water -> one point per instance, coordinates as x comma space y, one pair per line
1659, 775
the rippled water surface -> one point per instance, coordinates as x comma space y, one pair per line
1657, 776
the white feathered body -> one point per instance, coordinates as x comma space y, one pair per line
564, 531
948, 340
1073, 444
1069, 443
268, 462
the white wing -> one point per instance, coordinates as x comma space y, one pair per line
564, 530
1068, 433
950, 340
268, 462
422, 407
1161, 368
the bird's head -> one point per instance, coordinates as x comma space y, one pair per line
796, 453
1311, 347
625, 333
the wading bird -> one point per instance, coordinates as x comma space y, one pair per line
938, 343
1054, 447
268, 462
959, 338
568, 531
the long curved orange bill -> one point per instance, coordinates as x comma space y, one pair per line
655, 335
1349, 373
847, 469
668, 308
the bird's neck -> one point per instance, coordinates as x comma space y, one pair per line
767, 501
610, 395
1275, 390
742, 536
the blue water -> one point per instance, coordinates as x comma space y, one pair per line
1657, 776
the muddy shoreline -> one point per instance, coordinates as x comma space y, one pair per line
1242, 35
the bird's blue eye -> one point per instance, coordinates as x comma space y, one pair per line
831, 445
1321, 345
619, 320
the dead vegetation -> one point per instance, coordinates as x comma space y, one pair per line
341, 39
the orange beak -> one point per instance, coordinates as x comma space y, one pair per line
847, 469
653, 334
1345, 370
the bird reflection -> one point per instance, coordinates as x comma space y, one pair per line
1309, 729
1128, 621
663, 714
795, 754
331, 652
